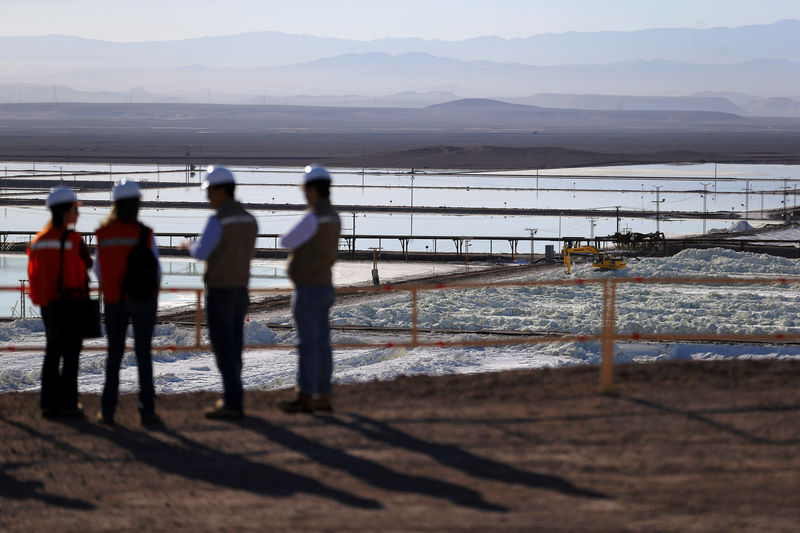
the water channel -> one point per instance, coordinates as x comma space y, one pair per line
743, 190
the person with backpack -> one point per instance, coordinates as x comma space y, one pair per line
58, 262
226, 245
130, 275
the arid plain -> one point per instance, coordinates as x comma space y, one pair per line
466, 134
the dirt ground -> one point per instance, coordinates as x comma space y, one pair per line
461, 136
390, 150
683, 446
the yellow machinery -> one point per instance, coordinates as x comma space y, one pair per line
600, 260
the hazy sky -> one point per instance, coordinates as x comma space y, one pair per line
145, 20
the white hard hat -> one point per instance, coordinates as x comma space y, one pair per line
217, 176
125, 189
315, 174
61, 195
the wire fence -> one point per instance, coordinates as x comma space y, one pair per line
608, 335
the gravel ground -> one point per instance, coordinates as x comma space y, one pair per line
682, 446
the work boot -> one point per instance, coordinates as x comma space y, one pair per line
223, 413
151, 419
304, 403
322, 402
75, 412
105, 420
220, 412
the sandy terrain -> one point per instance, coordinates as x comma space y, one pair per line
682, 447
458, 136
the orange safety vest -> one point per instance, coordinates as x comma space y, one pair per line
44, 261
114, 244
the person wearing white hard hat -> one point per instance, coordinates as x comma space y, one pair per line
218, 176
314, 244
226, 245
129, 274
58, 262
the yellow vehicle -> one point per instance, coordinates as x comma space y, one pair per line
600, 260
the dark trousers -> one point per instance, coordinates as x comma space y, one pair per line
59, 381
142, 314
226, 310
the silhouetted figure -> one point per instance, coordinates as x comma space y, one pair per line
314, 245
57, 269
130, 283
226, 245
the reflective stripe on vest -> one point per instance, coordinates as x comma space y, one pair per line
50, 245
118, 241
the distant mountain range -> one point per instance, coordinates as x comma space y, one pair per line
668, 69
780, 40
347, 84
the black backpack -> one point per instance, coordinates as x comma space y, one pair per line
141, 275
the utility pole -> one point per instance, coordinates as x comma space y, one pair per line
746, 199
642, 197
411, 231
658, 207
705, 197
785, 202
533, 232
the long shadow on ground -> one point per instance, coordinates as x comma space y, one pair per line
15, 489
455, 457
194, 460
369, 471
700, 416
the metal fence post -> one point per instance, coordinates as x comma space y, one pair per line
414, 317
22, 297
198, 319
607, 364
